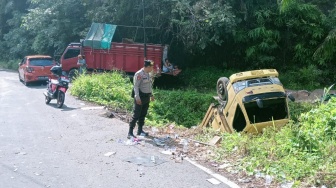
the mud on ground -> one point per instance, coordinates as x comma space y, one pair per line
308, 96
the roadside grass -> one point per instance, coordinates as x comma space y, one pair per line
182, 107
110, 89
10, 64
302, 152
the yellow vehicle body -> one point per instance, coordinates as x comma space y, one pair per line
248, 102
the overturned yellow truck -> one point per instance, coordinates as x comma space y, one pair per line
248, 102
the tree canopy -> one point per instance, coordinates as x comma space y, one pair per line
245, 34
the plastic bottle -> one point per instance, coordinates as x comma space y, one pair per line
153, 159
185, 146
268, 179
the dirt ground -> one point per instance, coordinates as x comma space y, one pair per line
308, 96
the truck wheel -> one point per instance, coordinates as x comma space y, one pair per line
73, 73
221, 88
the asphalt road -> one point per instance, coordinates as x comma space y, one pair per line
43, 146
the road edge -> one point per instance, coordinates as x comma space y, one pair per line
215, 175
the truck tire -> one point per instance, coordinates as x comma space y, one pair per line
221, 88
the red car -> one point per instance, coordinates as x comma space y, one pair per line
35, 68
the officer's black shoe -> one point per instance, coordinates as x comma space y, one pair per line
142, 133
130, 135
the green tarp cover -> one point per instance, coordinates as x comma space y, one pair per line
100, 36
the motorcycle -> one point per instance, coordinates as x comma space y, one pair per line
57, 87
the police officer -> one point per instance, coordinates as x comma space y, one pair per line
142, 96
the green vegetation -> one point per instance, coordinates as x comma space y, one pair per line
203, 79
111, 89
184, 107
293, 36
10, 64
302, 152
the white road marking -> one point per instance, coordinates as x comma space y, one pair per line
217, 176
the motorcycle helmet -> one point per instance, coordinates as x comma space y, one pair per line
56, 70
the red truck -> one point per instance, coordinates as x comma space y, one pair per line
101, 54
122, 56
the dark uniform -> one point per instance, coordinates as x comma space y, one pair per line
143, 91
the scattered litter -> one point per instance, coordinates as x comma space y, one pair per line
185, 146
153, 159
159, 142
38, 174
287, 185
21, 153
214, 164
215, 140
155, 130
93, 108
132, 141
197, 144
109, 114
170, 129
245, 180
176, 136
259, 175
108, 154
167, 152
141, 170
178, 159
224, 166
268, 179
213, 181
15, 169
145, 160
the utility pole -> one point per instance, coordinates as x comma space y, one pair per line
144, 29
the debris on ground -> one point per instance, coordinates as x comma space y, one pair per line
159, 142
108, 154
215, 140
149, 161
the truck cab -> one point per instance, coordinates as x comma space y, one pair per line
69, 58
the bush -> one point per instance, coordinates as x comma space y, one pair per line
204, 78
111, 89
10, 64
308, 78
184, 107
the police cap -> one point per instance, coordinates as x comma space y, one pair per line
148, 63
